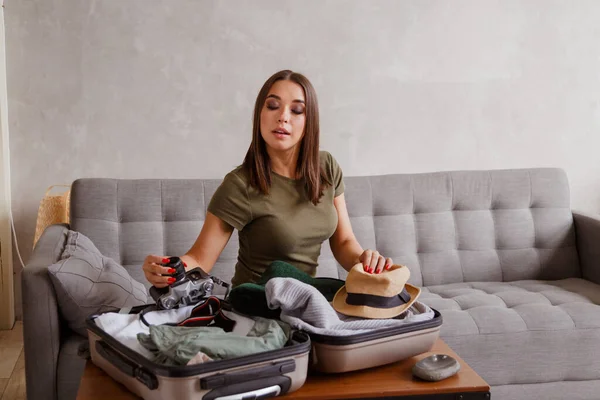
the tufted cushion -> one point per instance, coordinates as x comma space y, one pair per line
463, 226
468, 226
129, 219
521, 326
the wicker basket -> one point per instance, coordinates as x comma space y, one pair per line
54, 209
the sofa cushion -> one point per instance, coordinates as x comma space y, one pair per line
524, 331
86, 282
447, 227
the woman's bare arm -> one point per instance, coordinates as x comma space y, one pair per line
343, 243
211, 241
346, 249
209, 245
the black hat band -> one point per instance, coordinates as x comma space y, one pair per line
371, 300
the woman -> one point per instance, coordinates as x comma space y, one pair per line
285, 199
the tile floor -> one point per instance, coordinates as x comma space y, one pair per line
12, 364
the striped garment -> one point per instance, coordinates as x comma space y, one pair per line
305, 308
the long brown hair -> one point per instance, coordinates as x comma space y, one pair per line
257, 162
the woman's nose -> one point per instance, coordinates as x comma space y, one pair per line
284, 116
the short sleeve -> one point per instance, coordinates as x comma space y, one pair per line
231, 203
335, 174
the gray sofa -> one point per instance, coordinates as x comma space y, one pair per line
500, 254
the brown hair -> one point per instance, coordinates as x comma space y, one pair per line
257, 162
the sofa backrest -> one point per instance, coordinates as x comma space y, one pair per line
462, 226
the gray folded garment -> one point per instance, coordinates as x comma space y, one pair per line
305, 308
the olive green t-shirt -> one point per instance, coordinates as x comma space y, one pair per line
283, 225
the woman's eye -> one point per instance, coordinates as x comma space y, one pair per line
272, 105
298, 110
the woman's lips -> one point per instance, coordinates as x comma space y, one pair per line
281, 131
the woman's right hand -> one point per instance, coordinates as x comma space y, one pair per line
154, 271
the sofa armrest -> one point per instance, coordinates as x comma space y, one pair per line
587, 232
41, 322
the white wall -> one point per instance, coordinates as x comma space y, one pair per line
7, 306
150, 88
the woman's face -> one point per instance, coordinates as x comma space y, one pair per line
283, 116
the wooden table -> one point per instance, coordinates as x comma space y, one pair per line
388, 382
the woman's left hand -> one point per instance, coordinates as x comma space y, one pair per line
373, 262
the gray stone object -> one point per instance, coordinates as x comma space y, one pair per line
436, 367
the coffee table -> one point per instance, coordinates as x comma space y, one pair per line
393, 381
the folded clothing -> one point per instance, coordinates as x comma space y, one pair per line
177, 345
303, 307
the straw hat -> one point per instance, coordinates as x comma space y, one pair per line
378, 296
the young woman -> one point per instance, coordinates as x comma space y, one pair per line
285, 199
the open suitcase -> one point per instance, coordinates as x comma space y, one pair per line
336, 354
262, 375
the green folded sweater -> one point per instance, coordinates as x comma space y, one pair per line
250, 298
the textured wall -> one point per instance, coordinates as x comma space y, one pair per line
151, 88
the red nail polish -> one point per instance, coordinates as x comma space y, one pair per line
370, 270
171, 280
387, 266
165, 260
365, 268
185, 265
171, 270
